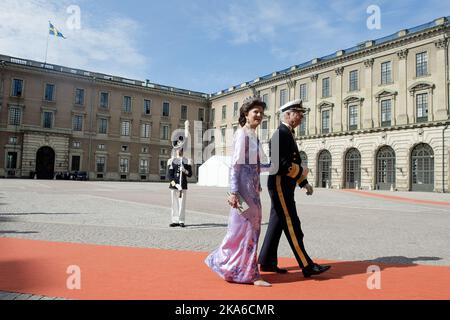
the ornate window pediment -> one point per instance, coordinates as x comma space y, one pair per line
326, 105
421, 86
353, 99
385, 94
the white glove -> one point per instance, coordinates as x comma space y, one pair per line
309, 190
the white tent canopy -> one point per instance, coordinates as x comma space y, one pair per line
215, 172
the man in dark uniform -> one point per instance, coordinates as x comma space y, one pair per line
281, 186
180, 168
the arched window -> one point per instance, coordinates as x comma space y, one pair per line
422, 168
324, 171
385, 168
352, 169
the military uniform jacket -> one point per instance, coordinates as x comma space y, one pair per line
174, 172
289, 161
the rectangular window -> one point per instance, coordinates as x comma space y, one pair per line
302, 130
184, 112
326, 121
422, 107
17, 88
213, 115
103, 126
235, 127
283, 97
265, 99
101, 161
125, 128
145, 130
303, 92
12, 140
75, 163
147, 107
101, 147
124, 165
223, 133
143, 166
386, 113
236, 110
265, 130
325, 88
386, 73
77, 123
76, 145
104, 100
11, 160
48, 120
166, 109
421, 64
201, 114
224, 112
165, 132
353, 85
15, 116
79, 97
353, 117
49, 92
127, 104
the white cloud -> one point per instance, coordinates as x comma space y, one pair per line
110, 48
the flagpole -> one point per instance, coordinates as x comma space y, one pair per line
46, 50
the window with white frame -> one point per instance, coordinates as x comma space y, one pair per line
201, 114
17, 88
165, 132
12, 140
76, 144
224, 112
15, 116
100, 164
386, 72
386, 113
101, 147
184, 112
77, 123
236, 110
79, 97
302, 129
104, 100
213, 115
353, 117
126, 104
265, 130
145, 130
353, 80
326, 88
283, 97
304, 92
421, 64
124, 165
265, 99
48, 119
147, 107
325, 121
49, 92
102, 126
166, 109
11, 161
126, 125
143, 166
422, 107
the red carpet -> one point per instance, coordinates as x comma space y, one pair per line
39, 267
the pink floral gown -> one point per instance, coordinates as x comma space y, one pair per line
236, 258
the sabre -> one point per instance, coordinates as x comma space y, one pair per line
186, 134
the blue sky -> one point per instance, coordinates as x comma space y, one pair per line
203, 45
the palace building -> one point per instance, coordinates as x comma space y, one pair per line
57, 119
378, 119
379, 112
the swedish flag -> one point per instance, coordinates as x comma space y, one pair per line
54, 32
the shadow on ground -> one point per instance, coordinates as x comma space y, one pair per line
343, 269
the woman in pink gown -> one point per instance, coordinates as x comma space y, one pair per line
236, 258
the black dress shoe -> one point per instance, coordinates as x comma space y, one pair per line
173, 225
182, 225
272, 269
314, 269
